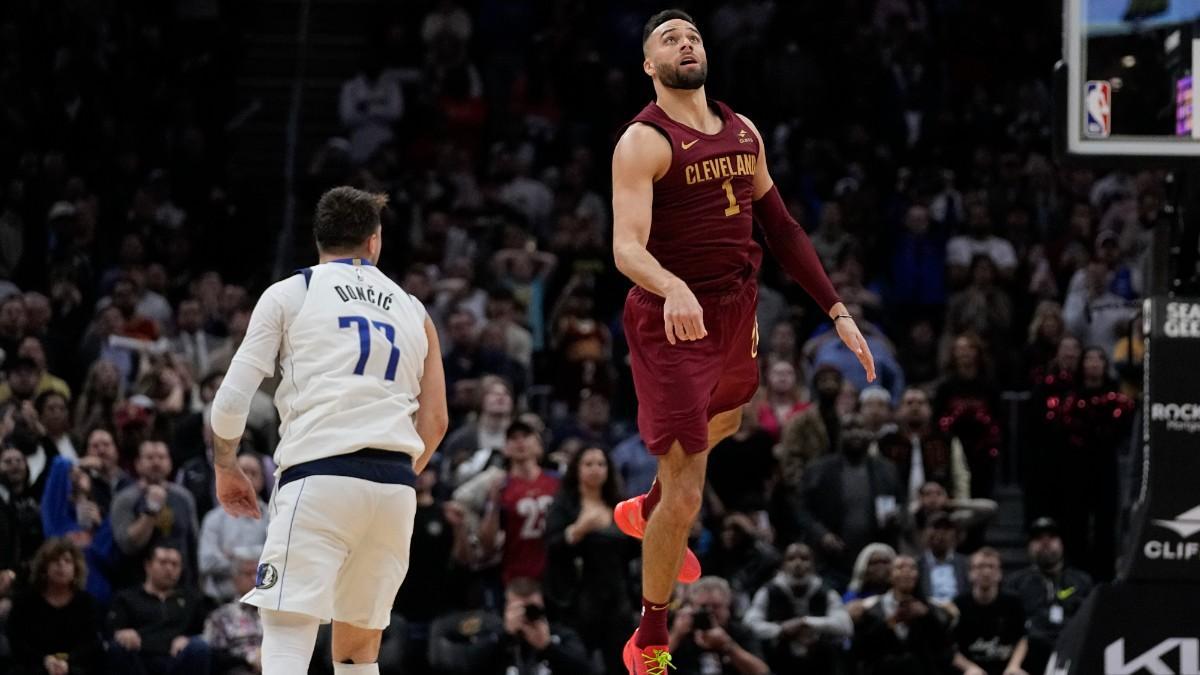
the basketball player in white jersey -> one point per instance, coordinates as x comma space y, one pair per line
362, 404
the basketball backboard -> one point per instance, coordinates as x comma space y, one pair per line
1130, 66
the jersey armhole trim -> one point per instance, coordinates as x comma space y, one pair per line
661, 130
307, 273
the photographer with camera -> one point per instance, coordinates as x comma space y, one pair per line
705, 639
521, 642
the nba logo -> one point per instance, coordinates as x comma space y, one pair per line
1098, 109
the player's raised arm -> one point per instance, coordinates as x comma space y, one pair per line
641, 157
790, 244
432, 416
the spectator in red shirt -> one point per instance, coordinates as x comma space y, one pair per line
518, 504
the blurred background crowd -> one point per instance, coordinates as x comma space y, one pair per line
949, 518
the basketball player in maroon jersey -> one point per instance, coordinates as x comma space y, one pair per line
689, 179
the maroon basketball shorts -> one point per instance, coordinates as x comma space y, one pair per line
680, 387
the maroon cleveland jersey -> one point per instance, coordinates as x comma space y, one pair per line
701, 225
523, 507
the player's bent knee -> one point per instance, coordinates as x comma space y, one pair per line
683, 501
355, 645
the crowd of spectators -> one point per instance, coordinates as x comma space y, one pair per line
844, 526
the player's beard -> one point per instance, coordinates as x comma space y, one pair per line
671, 76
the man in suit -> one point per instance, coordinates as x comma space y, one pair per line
848, 500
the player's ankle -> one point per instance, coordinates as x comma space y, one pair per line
653, 628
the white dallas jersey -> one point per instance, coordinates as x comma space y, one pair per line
351, 348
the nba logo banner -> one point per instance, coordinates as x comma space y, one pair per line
1098, 109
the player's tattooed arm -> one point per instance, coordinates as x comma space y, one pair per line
225, 452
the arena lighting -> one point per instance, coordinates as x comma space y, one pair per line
1128, 61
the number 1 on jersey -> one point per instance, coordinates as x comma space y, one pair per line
734, 207
364, 343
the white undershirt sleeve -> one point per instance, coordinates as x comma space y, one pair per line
256, 356
231, 405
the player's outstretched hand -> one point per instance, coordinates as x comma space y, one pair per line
682, 314
848, 331
236, 494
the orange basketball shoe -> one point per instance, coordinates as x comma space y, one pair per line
649, 660
628, 515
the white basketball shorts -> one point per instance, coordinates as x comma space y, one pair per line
337, 548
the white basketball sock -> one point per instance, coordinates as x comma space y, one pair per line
288, 642
356, 669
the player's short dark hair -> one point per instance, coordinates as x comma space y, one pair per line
346, 217
662, 17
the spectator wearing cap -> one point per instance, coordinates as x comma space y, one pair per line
31, 349
24, 375
518, 504
156, 625
1050, 592
222, 535
798, 617
153, 511
943, 571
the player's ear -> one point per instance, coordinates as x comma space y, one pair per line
375, 243
648, 67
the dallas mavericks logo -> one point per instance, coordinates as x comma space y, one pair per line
267, 576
